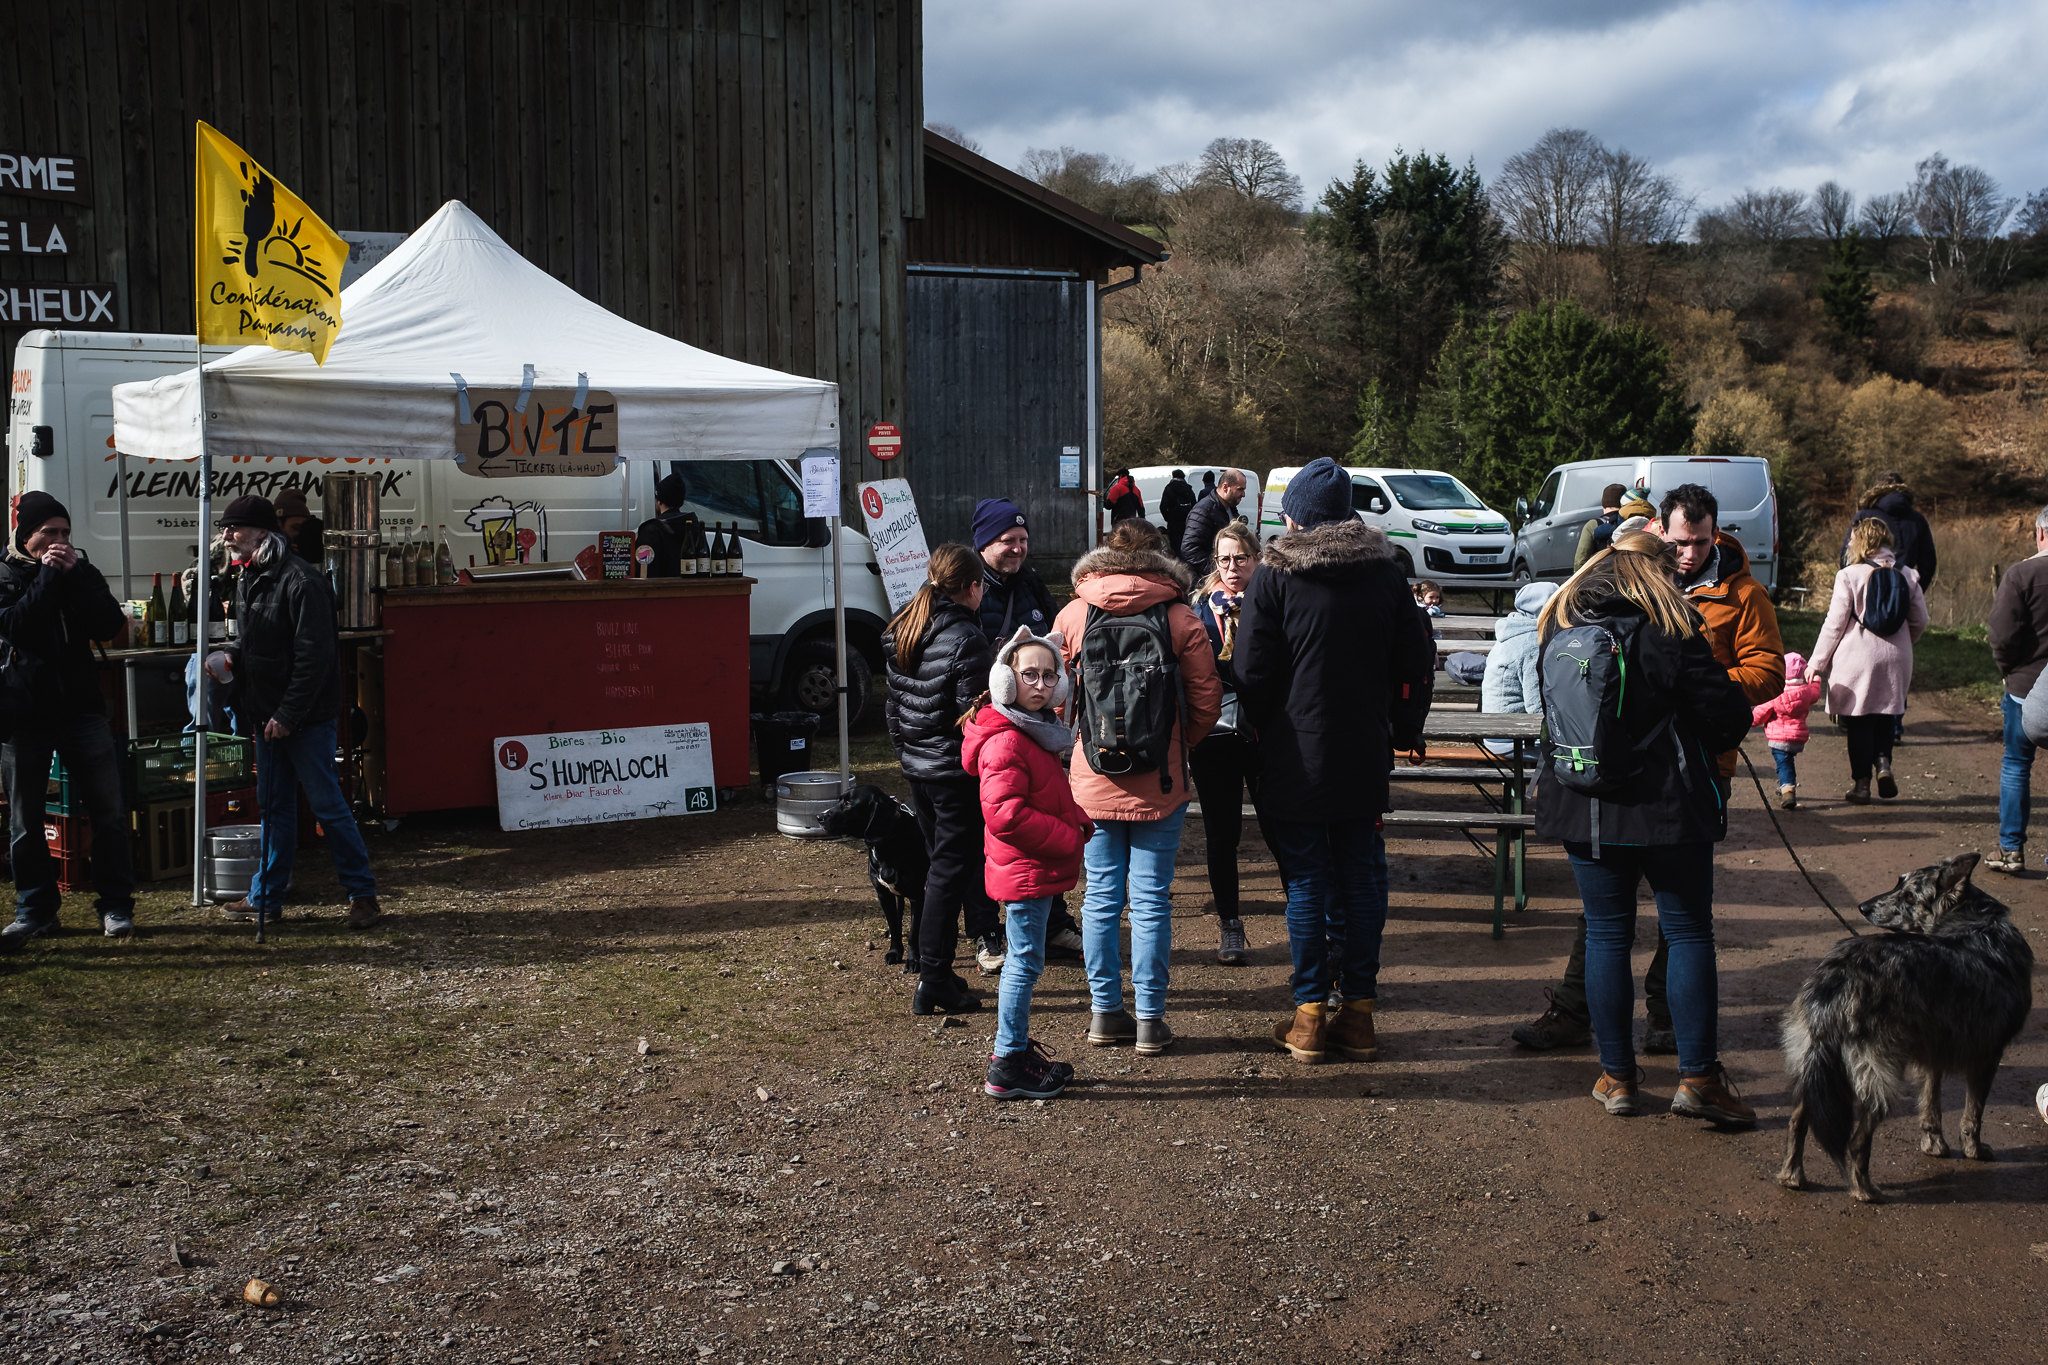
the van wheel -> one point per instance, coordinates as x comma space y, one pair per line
1522, 574
1406, 561
810, 680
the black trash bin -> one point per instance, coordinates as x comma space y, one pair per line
782, 743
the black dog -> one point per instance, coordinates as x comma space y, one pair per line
897, 862
1948, 990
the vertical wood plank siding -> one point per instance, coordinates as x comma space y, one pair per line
733, 173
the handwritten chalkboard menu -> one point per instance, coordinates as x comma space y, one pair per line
615, 553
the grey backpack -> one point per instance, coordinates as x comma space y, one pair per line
1583, 675
1129, 687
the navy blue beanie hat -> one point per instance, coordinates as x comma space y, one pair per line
1320, 493
993, 517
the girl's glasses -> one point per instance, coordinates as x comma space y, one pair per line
1038, 677
1234, 561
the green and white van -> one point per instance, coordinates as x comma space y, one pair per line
1438, 527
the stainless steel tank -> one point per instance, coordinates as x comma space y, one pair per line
353, 538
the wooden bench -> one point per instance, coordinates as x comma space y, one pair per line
1510, 833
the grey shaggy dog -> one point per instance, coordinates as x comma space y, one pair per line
1947, 990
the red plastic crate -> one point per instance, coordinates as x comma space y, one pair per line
73, 874
236, 806
69, 836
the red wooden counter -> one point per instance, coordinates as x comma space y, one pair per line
464, 666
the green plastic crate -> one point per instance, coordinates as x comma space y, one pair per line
160, 768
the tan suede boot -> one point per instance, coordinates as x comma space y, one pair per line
1351, 1034
1302, 1034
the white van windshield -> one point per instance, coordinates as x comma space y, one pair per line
1432, 492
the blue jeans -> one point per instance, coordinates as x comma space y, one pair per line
86, 744
1681, 877
1023, 960
1130, 860
1336, 905
304, 758
2015, 778
1788, 767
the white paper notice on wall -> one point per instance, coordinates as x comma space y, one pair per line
591, 777
821, 485
1070, 466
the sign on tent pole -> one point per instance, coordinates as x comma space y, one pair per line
890, 511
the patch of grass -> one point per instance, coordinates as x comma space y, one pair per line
1945, 658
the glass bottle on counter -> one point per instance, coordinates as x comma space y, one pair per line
686, 555
718, 549
394, 561
156, 615
703, 553
444, 560
181, 623
412, 560
735, 557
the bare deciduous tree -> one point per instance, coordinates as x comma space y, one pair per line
952, 132
1770, 216
1959, 211
1251, 167
1109, 185
1884, 220
1633, 210
1545, 196
1834, 209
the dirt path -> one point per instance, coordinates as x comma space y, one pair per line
445, 1142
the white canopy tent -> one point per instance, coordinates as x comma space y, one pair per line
455, 309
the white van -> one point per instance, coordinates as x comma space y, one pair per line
1439, 528
1570, 497
1152, 481
60, 439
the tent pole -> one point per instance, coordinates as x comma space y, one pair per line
839, 656
127, 585
204, 584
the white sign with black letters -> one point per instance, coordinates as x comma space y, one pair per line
592, 777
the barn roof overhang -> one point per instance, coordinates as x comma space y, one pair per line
1111, 244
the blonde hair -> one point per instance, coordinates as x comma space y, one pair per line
1637, 566
1867, 537
1243, 536
952, 571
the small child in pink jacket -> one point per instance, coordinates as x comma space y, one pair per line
1784, 720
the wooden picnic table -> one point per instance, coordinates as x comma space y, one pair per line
1481, 626
1510, 821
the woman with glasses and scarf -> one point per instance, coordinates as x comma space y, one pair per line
1225, 763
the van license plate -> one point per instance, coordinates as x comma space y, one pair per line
1483, 559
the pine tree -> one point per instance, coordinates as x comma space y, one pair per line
1846, 295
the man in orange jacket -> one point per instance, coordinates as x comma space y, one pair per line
1742, 628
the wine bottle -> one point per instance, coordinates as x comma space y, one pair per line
181, 629
157, 615
718, 549
412, 560
444, 560
735, 557
686, 551
703, 553
223, 600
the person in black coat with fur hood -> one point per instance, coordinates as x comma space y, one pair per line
938, 659
1678, 709
1334, 669
53, 605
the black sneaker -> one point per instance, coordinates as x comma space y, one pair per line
946, 995
22, 930
1554, 1028
1026, 1075
1659, 1039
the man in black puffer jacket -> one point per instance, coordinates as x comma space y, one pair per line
1891, 501
285, 668
53, 605
1216, 510
937, 664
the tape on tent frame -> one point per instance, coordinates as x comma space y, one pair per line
582, 390
462, 411
525, 390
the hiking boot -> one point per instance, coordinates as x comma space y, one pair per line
1065, 943
1619, 1093
1154, 1037
2008, 860
1230, 951
1711, 1097
1350, 1034
1788, 798
1659, 1039
241, 912
22, 930
1858, 794
988, 952
1108, 1030
1304, 1034
1887, 785
1554, 1028
947, 994
117, 923
1026, 1075
363, 911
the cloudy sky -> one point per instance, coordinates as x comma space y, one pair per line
1721, 93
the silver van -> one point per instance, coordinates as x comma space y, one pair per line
1550, 522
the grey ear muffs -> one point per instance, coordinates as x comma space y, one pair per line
1002, 675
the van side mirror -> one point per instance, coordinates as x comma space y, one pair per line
1377, 506
817, 533
1521, 509
42, 442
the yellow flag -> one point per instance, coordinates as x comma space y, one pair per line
266, 269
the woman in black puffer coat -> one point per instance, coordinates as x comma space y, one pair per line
938, 661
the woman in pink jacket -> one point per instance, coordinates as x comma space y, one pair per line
1784, 720
1137, 814
1867, 675
1033, 834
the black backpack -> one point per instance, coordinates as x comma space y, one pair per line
1884, 601
1603, 533
1130, 691
1583, 676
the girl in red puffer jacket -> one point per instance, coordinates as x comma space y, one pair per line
1034, 835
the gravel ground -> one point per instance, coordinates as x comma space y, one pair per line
650, 1091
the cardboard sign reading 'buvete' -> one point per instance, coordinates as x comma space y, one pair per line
553, 436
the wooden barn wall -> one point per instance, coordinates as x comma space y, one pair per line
998, 384
734, 173
967, 222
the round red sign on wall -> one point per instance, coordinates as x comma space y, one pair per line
885, 442
872, 502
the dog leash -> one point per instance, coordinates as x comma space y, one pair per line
1788, 843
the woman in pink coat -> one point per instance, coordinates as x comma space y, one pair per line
1867, 675
1138, 815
